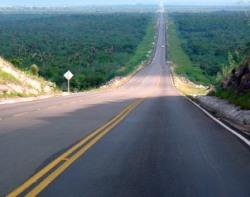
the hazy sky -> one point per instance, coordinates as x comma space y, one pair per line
102, 2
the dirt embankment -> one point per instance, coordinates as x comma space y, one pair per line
239, 79
14, 82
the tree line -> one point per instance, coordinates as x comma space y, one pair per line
213, 40
95, 47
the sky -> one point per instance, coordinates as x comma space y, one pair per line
108, 2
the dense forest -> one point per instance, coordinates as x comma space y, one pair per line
212, 39
208, 47
95, 47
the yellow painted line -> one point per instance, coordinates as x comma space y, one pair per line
83, 146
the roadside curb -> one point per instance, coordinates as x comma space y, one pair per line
231, 115
206, 112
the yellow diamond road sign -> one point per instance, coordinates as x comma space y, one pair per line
68, 75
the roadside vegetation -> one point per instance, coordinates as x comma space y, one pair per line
182, 62
206, 47
7, 78
17, 83
95, 47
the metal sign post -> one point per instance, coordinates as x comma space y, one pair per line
68, 86
68, 75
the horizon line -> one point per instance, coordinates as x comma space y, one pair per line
135, 4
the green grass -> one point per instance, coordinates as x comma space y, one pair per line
183, 65
142, 52
242, 100
7, 78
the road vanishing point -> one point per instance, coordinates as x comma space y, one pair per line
142, 139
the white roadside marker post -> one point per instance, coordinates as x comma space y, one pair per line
68, 75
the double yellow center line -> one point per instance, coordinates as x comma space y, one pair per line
39, 181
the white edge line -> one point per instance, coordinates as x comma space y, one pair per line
221, 123
245, 140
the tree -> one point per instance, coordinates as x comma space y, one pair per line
89, 44
34, 69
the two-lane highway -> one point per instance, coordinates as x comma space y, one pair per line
151, 142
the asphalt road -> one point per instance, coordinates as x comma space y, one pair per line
164, 147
